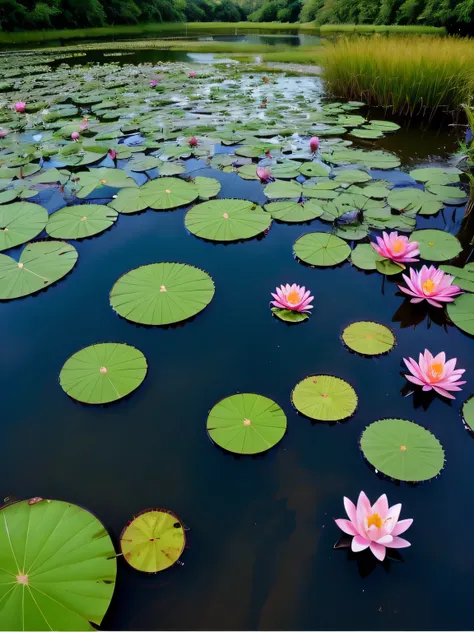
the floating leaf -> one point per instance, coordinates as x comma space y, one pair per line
447, 194
167, 193
281, 189
94, 179
468, 412
313, 169
325, 398
83, 220
436, 245
41, 264
144, 163
129, 201
414, 200
170, 169
103, 373
388, 267
290, 316
20, 222
368, 338
365, 257
436, 175
246, 423
57, 567
367, 133
227, 220
291, 211
162, 293
321, 249
402, 450
207, 187
461, 312
153, 540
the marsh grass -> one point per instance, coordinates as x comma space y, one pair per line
408, 75
332, 29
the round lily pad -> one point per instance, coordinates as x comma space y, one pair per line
402, 450
461, 312
368, 338
57, 567
103, 373
207, 187
163, 194
365, 257
321, 249
436, 245
283, 189
20, 222
289, 315
325, 398
246, 423
41, 264
162, 293
153, 540
452, 196
78, 222
414, 201
468, 413
436, 175
227, 220
292, 212
129, 201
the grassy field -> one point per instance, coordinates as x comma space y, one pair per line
190, 29
409, 75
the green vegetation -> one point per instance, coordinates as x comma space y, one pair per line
334, 29
413, 75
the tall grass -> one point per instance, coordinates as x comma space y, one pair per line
334, 29
408, 75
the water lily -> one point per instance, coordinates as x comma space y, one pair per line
193, 142
192, 74
292, 297
20, 106
374, 526
396, 247
112, 154
265, 174
75, 136
314, 144
430, 284
3, 133
83, 126
154, 83
435, 373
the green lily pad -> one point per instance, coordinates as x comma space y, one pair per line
290, 316
365, 257
374, 191
103, 373
246, 423
292, 212
282, 189
468, 412
144, 163
51, 176
129, 201
207, 187
57, 567
41, 264
447, 194
287, 170
414, 201
227, 220
170, 169
386, 126
325, 398
461, 312
153, 540
389, 267
352, 232
19, 172
9, 196
402, 450
94, 179
436, 245
162, 293
368, 338
313, 170
463, 277
367, 133
321, 249
78, 222
20, 222
436, 175
167, 193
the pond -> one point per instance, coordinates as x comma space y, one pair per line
260, 546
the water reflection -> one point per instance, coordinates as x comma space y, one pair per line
413, 314
366, 562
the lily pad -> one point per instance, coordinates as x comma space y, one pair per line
365, 257
144, 163
20, 222
227, 220
368, 338
436, 245
207, 187
153, 540
321, 249
389, 267
103, 373
463, 277
78, 222
129, 201
290, 316
468, 413
449, 195
162, 293
167, 193
351, 176
282, 189
41, 264
292, 212
246, 423
325, 398
402, 450
90, 181
313, 170
57, 567
414, 201
461, 312
436, 175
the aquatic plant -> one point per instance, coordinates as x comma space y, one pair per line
435, 373
314, 144
396, 247
375, 527
431, 285
20, 106
264, 174
293, 297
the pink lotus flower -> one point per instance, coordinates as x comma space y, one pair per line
396, 247
265, 174
75, 136
292, 297
3, 133
154, 83
193, 142
112, 154
430, 284
376, 527
192, 74
435, 373
20, 107
83, 126
314, 144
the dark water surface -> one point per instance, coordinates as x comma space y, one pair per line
260, 550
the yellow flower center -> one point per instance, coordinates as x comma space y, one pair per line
293, 297
374, 519
428, 286
436, 370
398, 246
